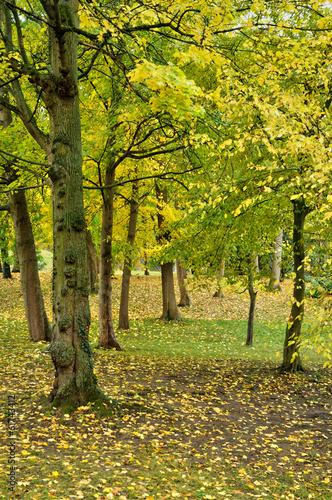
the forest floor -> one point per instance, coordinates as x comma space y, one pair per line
195, 413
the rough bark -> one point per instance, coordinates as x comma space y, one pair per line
218, 293
92, 264
170, 310
274, 283
291, 355
181, 274
124, 301
252, 294
75, 383
38, 325
107, 338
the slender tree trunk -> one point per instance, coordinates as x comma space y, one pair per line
181, 273
16, 265
291, 357
218, 293
107, 338
6, 274
124, 302
38, 325
146, 264
170, 310
5, 121
256, 264
275, 272
92, 264
252, 294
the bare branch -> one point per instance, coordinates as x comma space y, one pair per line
19, 158
21, 188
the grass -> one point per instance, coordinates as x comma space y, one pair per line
196, 414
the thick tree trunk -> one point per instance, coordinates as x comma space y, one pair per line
181, 274
275, 272
92, 264
107, 338
170, 310
124, 301
218, 293
291, 357
38, 325
252, 294
75, 383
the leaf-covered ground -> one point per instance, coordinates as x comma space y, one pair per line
196, 414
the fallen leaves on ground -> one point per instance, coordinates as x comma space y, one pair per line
181, 426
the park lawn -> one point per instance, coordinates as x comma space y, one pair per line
195, 413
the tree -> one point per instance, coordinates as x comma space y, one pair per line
38, 324
274, 283
291, 354
170, 310
128, 262
181, 274
57, 85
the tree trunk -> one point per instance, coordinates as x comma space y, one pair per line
252, 294
75, 383
107, 338
6, 274
92, 264
291, 357
218, 293
124, 302
170, 310
256, 264
16, 265
38, 325
275, 272
181, 273
146, 264
5, 121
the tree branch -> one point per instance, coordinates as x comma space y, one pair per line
157, 176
